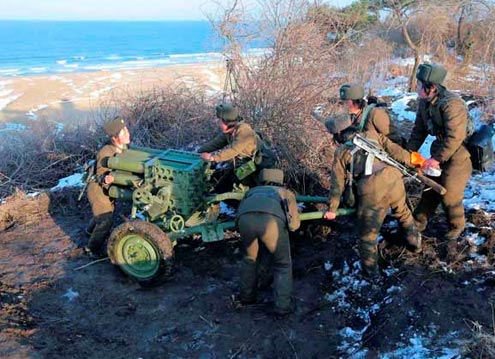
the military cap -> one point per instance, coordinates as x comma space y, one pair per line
337, 124
112, 128
272, 175
227, 112
431, 73
351, 92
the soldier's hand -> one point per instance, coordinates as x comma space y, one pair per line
207, 156
431, 163
330, 215
108, 179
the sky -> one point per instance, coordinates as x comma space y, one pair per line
113, 9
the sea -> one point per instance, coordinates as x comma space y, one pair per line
51, 47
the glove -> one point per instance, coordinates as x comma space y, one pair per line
417, 159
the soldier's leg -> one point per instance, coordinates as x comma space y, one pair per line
276, 239
248, 279
426, 207
91, 226
102, 207
264, 268
402, 212
454, 179
101, 231
370, 216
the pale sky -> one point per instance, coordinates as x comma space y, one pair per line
112, 9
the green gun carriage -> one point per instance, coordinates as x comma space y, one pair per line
171, 194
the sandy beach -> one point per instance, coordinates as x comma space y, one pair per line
75, 97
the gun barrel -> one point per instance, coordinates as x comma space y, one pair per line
308, 216
120, 193
311, 199
126, 163
382, 155
124, 178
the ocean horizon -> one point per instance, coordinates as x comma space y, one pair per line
35, 47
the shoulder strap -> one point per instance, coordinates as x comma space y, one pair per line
366, 113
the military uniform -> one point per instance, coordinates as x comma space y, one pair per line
378, 191
240, 146
101, 204
446, 117
242, 143
265, 216
378, 121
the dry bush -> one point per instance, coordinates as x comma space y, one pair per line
278, 91
171, 116
369, 63
482, 345
36, 158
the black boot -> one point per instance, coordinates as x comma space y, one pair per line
413, 239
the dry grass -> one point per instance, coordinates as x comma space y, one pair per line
36, 158
482, 345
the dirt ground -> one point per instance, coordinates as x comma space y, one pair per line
55, 304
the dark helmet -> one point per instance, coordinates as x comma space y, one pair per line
227, 112
431, 73
271, 175
337, 124
112, 128
351, 92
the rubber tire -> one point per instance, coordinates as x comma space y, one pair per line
155, 238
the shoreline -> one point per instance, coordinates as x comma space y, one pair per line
74, 98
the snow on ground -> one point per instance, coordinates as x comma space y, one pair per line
6, 95
32, 112
353, 296
394, 87
426, 346
361, 300
5, 127
401, 105
74, 180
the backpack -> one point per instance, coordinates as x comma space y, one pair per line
480, 146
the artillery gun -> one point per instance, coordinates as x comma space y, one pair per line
171, 194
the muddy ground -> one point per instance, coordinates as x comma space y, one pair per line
55, 304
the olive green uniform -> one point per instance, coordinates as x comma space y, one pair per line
239, 146
379, 121
264, 217
377, 192
101, 204
241, 143
446, 117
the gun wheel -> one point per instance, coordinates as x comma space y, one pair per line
141, 250
176, 223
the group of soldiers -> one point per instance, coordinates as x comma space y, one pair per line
269, 211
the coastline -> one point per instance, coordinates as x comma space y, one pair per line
74, 98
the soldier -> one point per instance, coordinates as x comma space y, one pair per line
379, 188
377, 118
265, 216
444, 115
237, 142
101, 204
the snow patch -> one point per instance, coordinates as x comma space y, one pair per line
74, 180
